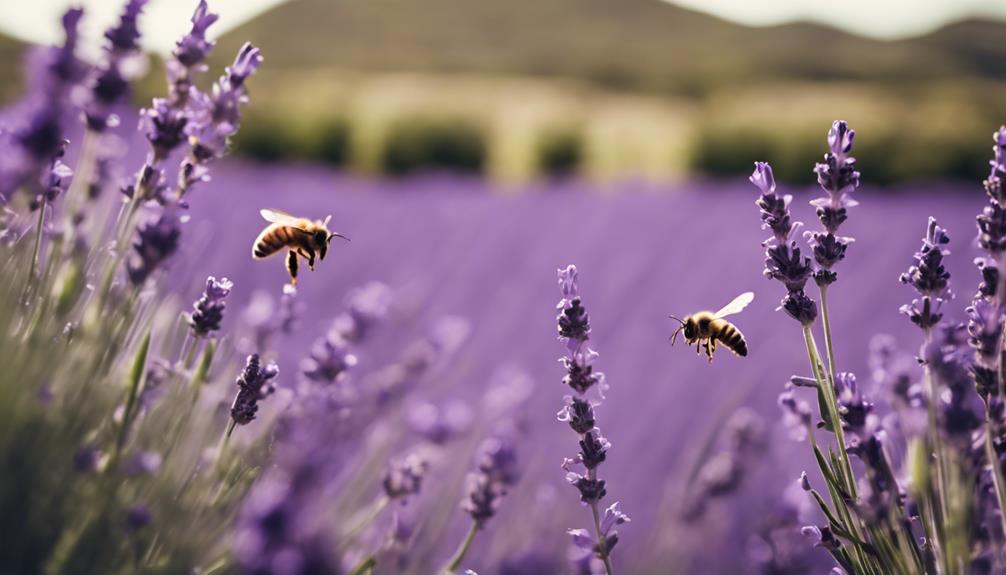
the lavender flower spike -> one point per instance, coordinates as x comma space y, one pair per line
254, 385
496, 472
574, 330
208, 311
783, 260
156, 242
111, 84
929, 278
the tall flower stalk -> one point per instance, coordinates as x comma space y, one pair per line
786, 263
578, 412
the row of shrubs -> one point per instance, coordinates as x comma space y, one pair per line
409, 145
414, 144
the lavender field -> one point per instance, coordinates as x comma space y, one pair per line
171, 404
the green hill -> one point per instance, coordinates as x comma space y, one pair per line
632, 44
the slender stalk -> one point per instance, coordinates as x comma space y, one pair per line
224, 442
83, 171
459, 555
37, 248
602, 544
826, 323
997, 473
364, 518
365, 567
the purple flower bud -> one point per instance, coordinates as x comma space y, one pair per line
156, 241
208, 310
254, 385
193, 48
404, 477
138, 516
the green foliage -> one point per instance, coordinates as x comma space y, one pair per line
421, 143
560, 152
73, 420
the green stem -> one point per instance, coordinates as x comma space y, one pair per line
83, 171
365, 567
997, 473
37, 248
601, 543
459, 555
133, 386
364, 518
826, 323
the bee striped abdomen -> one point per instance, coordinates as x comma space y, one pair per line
273, 239
732, 338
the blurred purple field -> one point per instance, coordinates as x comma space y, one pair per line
460, 248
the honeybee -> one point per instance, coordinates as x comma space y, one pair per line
705, 328
303, 237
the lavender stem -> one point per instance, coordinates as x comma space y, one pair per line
602, 545
997, 474
40, 224
826, 322
365, 567
83, 171
365, 518
466, 543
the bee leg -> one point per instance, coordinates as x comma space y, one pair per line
710, 348
291, 266
309, 256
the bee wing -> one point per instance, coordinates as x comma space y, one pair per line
736, 306
282, 218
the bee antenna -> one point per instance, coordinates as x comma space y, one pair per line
676, 319
336, 235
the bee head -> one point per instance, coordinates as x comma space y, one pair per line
691, 329
321, 240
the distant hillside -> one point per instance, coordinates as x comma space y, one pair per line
632, 44
11, 51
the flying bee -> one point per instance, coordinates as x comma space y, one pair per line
302, 237
705, 329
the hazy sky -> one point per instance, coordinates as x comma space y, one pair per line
166, 19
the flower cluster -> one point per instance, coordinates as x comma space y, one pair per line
574, 330
783, 259
254, 384
496, 472
33, 143
404, 477
587, 552
110, 85
156, 241
208, 311
929, 278
838, 177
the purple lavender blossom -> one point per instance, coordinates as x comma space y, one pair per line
783, 260
111, 84
193, 48
208, 310
331, 357
281, 528
574, 330
138, 516
495, 473
155, 243
404, 477
254, 385
929, 278
216, 116
838, 177
587, 550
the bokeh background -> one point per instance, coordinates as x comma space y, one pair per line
471, 148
